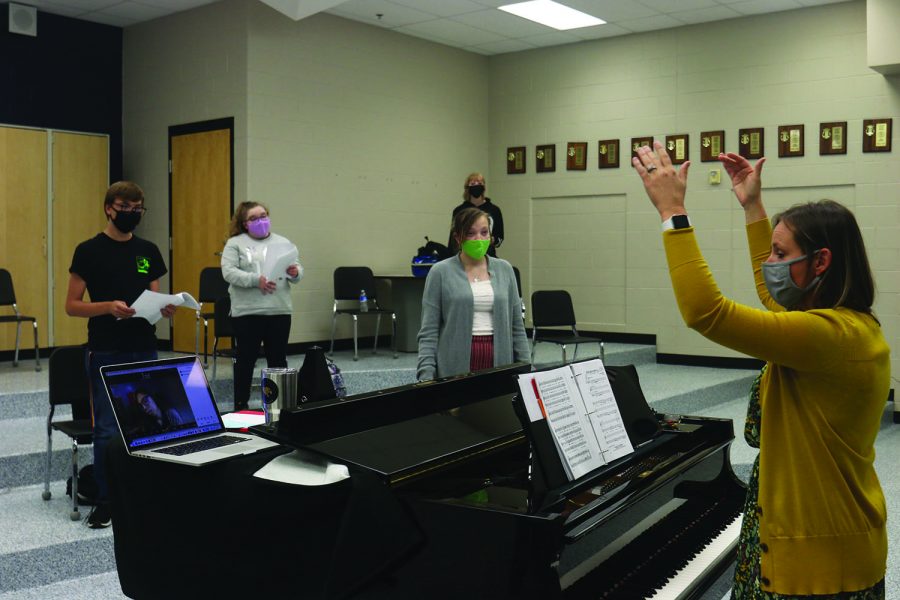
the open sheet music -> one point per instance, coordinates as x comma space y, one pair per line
581, 412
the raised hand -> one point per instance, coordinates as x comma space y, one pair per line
746, 181
665, 186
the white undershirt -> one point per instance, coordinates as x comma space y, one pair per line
483, 296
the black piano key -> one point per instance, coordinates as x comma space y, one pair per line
651, 560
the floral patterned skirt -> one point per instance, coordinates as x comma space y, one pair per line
746, 570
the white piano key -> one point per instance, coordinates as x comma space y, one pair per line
697, 568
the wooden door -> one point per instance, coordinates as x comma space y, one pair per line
201, 205
80, 180
23, 230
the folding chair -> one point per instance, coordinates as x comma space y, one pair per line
553, 308
222, 328
8, 298
348, 282
519, 287
69, 385
212, 287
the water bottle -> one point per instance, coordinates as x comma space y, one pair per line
363, 301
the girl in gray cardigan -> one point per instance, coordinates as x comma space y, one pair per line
471, 311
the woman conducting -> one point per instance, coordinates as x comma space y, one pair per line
260, 307
471, 312
814, 517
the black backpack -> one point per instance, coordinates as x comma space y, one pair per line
87, 486
434, 249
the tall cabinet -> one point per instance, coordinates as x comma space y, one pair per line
51, 198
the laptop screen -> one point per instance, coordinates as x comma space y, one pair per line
161, 400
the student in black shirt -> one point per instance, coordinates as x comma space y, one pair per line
114, 267
473, 197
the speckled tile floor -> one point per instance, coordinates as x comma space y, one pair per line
45, 555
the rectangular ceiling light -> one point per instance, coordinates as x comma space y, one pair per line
552, 14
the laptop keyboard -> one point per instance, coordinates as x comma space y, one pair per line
200, 445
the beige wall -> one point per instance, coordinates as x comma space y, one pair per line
357, 138
185, 68
595, 233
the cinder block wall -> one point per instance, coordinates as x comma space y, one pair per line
595, 233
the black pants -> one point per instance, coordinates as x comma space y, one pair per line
249, 332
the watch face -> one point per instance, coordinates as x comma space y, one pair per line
681, 222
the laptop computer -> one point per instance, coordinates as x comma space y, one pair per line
166, 411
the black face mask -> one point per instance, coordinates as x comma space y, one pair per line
126, 221
476, 191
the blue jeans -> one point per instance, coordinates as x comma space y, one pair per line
105, 426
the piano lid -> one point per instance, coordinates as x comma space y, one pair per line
330, 419
416, 447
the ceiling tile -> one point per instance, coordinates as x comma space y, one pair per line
612, 10
504, 46
393, 15
58, 9
175, 5
598, 31
135, 10
650, 23
108, 19
85, 6
670, 6
445, 29
442, 8
819, 2
755, 7
705, 15
555, 38
502, 23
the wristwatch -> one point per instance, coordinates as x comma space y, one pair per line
676, 222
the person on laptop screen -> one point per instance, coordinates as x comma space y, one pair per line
155, 413
114, 268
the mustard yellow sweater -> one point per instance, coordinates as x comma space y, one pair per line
821, 509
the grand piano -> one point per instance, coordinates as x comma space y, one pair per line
497, 516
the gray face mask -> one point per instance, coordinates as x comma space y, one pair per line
780, 285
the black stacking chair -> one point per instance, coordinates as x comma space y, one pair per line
222, 328
348, 283
519, 287
8, 298
553, 308
69, 385
212, 287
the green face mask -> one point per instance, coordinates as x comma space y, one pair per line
476, 248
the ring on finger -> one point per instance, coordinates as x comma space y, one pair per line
651, 168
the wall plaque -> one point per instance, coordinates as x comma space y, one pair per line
712, 143
833, 138
877, 135
677, 147
752, 142
576, 156
608, 154
545, 158
515, 160
790, 140
638, 142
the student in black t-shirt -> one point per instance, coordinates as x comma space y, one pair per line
474, 197
114, 267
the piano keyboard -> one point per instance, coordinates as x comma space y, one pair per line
666, 560
681, 584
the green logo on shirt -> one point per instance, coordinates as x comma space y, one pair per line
143, 264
